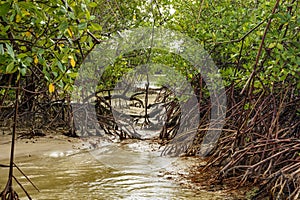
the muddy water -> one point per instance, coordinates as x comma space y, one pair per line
111, 171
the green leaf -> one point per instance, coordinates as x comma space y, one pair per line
72, 16
73, 74
21, 55
96, 27
82, 26
55, 73
61, 66
272, 45
10, 51
10, 68
63, 26
47, 75
23, 71
1, 49
27, 5
92, 4
4, 8
279, 46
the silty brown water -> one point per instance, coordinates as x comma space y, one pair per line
111, 171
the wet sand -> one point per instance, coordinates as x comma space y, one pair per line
36, 146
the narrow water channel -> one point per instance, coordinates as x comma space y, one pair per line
113, 171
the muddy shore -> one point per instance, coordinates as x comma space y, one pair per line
36, 145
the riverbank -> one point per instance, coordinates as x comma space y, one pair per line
37, 146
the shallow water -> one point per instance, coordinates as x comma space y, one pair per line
112, 171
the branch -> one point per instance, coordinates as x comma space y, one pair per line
243, 37
260, 49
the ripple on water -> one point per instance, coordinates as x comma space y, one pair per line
114, 172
